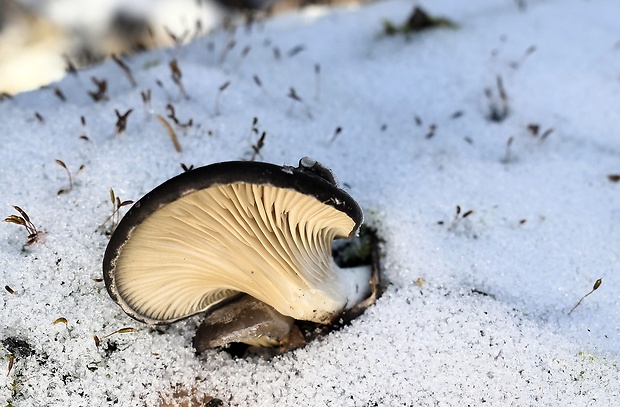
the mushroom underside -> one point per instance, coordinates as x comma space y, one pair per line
272, 243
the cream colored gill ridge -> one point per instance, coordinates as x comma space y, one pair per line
269, 242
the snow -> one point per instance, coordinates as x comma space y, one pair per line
476, 310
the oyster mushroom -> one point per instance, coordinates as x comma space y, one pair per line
206, 236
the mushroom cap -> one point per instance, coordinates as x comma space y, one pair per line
206, 235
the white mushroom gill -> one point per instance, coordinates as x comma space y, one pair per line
272, 243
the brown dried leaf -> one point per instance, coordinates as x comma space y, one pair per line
18, 220
171, 132
22, 212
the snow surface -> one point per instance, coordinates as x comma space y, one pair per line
476, 308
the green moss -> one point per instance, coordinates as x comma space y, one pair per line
587, 356
419, 20
358, 251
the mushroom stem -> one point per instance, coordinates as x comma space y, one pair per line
323, 302
357, 280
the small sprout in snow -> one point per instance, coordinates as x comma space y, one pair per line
101, 94
83, 136
418, 20
259, 83
11, 361
597, 284
293, 95
176, 74
546, 134
120, 331
296, 98
431, 131
111, 346
146, 99
613, 177
9, 289
317, 81
121, 122
59, 94
521, 5
231, 44
69, 66
480, 292
256, 148
218, 96
186, 168
254, 128
172, 116
507, 158
24, 220
126, 70
335, 135
171, 133
244, 53
529, 51
198, 29
534, 130
250, 18
457, 114
498, 102
63, 165
295, 50
458, 216
177, 41
117, 205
